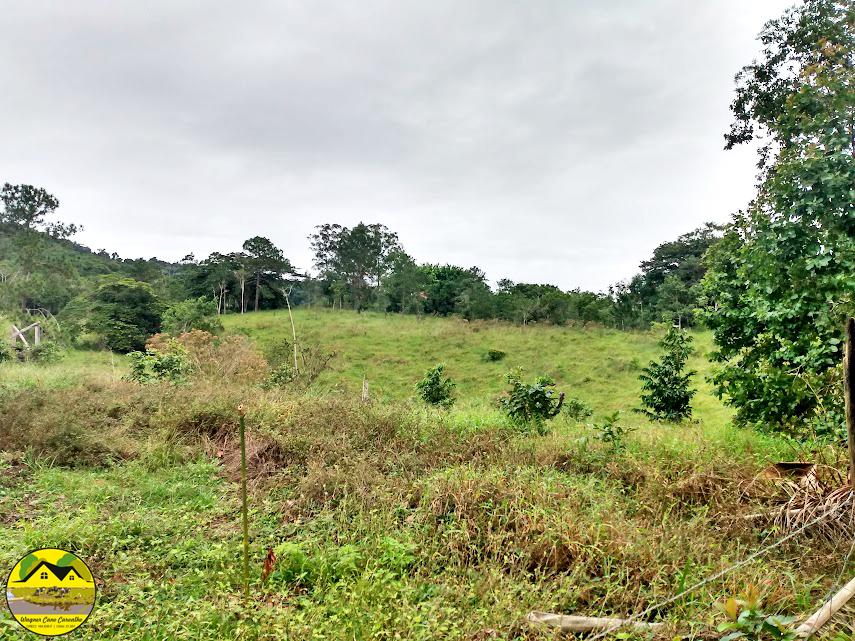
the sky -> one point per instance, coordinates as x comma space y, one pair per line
545, 141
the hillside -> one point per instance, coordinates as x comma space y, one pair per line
390, 515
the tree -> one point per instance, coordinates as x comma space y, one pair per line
405, 284
666, 393
199, 313
266, 263
360, 257
783, 279
26, 205
666, 287
124, 312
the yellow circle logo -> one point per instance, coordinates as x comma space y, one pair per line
50, 592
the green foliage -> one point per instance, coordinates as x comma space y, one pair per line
171, 365
744, 619
6, 351
665, 385
125, 312
494, 355
45, 353
781, 283
531, 404
611, 431
358, 259
436, 390
199, 313
577, 409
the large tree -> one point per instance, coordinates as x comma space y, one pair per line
29, 206
265, 261
359, 257
783, 279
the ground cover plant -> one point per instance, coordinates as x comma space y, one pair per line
388, 518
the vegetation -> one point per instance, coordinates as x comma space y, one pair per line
531, 404
165, 393
666, 393
436, 390
781, 282
387, 515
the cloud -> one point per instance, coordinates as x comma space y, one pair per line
551, 141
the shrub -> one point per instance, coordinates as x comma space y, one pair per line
611, 431
6, 352
124, 313
45, 353
199, 313
231, 358
577, 409
667, 396
531, 404
172, 365
494, 355
312, 359
436, 390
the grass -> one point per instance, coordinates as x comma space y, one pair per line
389, 519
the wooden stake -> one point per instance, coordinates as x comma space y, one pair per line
848, 390
572, 623
828, 610
244, 506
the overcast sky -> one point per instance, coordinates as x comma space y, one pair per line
544, 141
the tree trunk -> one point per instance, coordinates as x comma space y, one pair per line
242, 295
848, 391
257, 288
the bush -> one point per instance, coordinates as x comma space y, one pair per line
577, 409
667, 396
172, 365
6, 352
124, 313
436, 390
611, 431
312, 359
45, 353
231, 358
199, 313
531, 404
494, 355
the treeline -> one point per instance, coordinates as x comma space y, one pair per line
361, 268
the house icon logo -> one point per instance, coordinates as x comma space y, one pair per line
50, 591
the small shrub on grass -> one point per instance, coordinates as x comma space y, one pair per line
171, 365
436, 390
577, 409
45, 353
744, 619
6, 352
610, 431
194, 313
666, 393
494, 355
531, 404
312, 360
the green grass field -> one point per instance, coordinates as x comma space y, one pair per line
391, 520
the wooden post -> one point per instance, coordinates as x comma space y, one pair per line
37, 334
848, 391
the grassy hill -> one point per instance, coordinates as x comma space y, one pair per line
389, 519
599, 366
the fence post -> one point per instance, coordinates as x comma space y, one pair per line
848, 391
